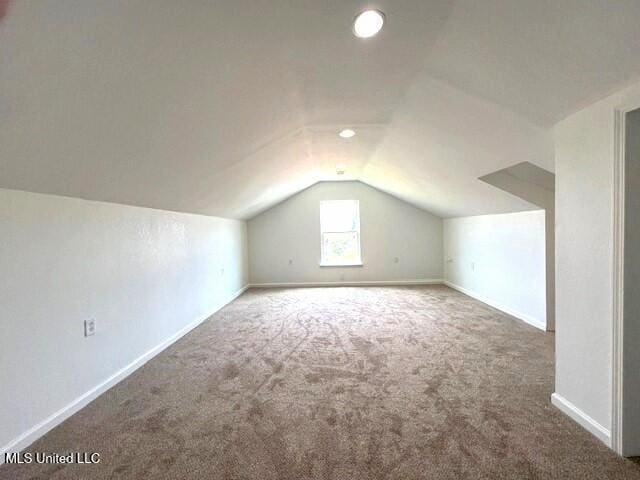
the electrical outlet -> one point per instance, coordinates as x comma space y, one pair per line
89, 327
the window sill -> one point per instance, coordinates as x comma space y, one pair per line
358, 264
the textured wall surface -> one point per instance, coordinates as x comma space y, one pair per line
142, 274
584, 219
500, 259
284, 242
584, 248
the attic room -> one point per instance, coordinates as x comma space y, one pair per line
319, 239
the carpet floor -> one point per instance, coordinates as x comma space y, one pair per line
338, 383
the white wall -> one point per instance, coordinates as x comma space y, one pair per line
143, 275
584, 264
500, 259
536, 186
389, 228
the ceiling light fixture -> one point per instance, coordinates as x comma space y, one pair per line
347, 133
368, 23
341, 168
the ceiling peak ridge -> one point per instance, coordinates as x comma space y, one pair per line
306, 128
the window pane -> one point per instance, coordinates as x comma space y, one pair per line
341, 247
340, 228
339, 216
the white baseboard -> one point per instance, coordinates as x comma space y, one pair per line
584, 420
27, 438
520, 316
364, 283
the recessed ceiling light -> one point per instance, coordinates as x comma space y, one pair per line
368, 23
347, 133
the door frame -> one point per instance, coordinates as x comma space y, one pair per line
617, 333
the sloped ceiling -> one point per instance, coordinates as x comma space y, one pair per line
228, 107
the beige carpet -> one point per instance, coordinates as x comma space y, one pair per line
339, 383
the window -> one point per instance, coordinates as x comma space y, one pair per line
340, 232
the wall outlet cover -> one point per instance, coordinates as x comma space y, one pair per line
89, 327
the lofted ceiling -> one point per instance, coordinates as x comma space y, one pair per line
228, 107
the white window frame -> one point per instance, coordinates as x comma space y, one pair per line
324, 263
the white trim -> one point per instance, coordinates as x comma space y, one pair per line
27, 438
584, 420
364, 283
617, 327
356, 264
492, 303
